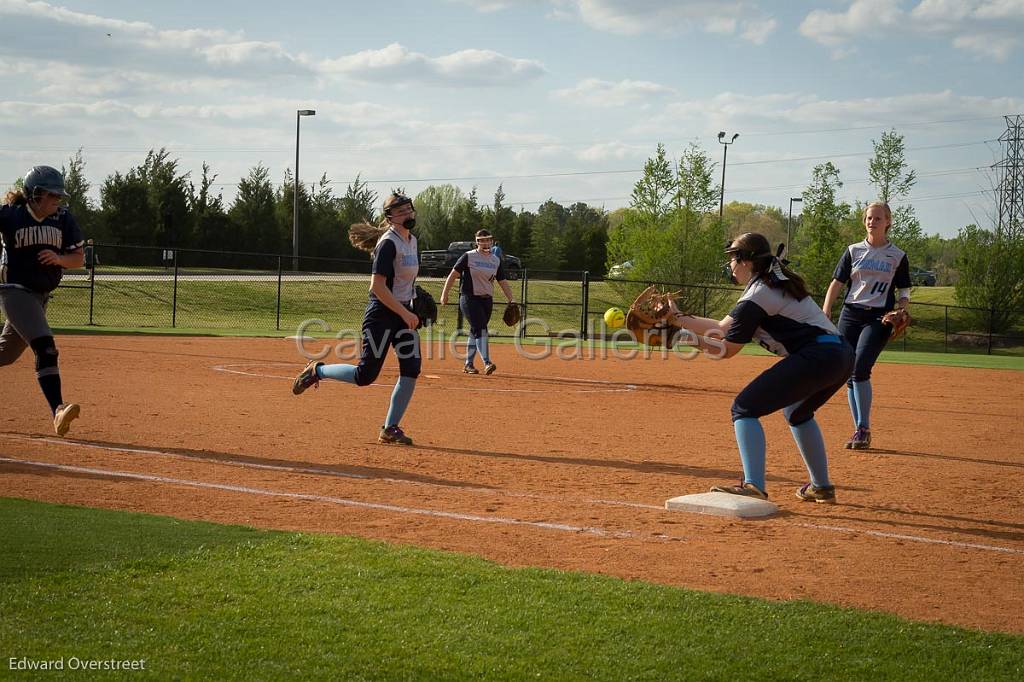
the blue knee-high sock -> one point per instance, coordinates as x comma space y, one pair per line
346, 373
471, 350
812, 448
750, 439
400, 398
851, 396
484, 351
863, 391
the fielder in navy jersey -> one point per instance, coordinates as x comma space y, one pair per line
776, 311
878, 275
40, 240
479, 269
388, 322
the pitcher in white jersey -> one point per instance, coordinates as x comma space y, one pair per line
878, 276
388, 322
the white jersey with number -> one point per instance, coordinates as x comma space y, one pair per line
873, 274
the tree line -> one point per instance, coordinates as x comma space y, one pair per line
157, 204
670, 232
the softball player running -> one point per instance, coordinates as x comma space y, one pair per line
40, 240
479, 269
776, 309
878, 275
388, 321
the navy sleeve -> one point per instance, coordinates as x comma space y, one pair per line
746, 318
384, 259
462, 264
902, 278
73, 239
501, 275
844, 268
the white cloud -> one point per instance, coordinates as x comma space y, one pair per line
669, 17
396, 64
988, 28
794, 112
80, 38
610, 151
601, 93
666, 17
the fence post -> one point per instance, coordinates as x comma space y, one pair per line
174, 300
945, 329
991, 322
525, 288
704, 305
586, 305
92, 281
278, 323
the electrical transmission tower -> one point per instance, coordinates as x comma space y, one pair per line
1011, 179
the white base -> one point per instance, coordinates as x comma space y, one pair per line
722, 504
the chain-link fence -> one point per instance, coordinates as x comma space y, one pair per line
130, 287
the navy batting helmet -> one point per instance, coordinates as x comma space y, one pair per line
396, 200
44, 179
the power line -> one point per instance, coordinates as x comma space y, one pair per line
481, 145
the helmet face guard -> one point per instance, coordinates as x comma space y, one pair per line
395, 201
44, 179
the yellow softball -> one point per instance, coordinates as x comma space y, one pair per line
614, 318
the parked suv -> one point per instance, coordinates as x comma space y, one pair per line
440, 263
922, 278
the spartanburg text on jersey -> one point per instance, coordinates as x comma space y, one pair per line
24, 237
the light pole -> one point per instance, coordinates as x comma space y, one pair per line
789, 226
725, 155
295, 199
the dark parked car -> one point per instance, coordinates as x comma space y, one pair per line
922, 278
440, 263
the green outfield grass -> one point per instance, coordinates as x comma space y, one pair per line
250, 308
937, 295
201, 601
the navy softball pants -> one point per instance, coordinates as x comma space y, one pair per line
863, 330
477, 311
382, 330
798, 384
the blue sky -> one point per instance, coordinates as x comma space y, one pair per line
560, 99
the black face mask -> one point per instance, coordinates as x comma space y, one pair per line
409, 223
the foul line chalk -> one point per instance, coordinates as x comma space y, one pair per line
584, 530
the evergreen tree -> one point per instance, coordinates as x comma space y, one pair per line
821, 242
889, 172
655, 193
78, 201
212, 229
253, 213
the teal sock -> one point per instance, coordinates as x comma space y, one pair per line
750, 439
346, 373
812, 448
851, 397
400, 398
863, 391
484, 351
